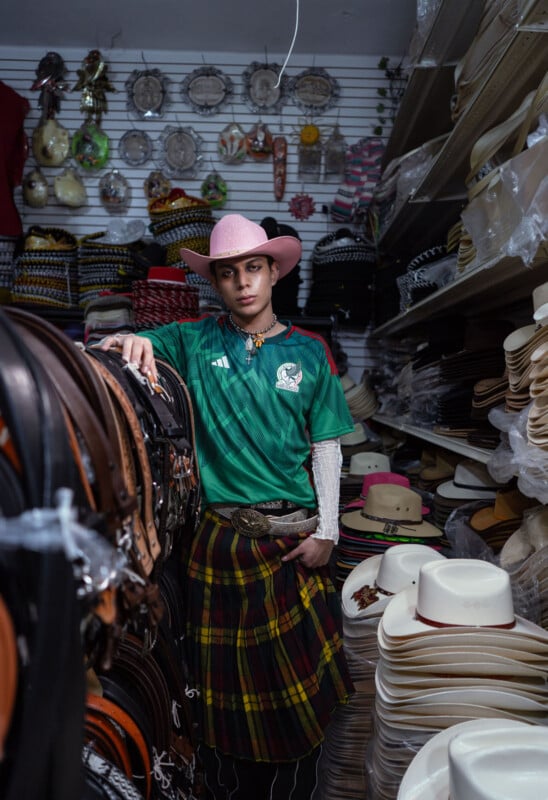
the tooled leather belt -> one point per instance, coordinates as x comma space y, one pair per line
251, 522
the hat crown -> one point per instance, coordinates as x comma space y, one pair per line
491, 764
362, 463
400, 565
465, 591
392, 502
235, 234
374, 478
473, 475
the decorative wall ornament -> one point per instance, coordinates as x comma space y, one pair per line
310, 153
35, 189
279, 157
90, 146
214, 190
314, 91
397, 81
231, 146
50, 143
259, 142
260, 91
335, 150
180, 154
135, 148
147, 93
94, 83
50, 74
69, 189
114, 192
302, 206
156, 185
206, 90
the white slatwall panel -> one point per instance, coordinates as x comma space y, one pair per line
250, 184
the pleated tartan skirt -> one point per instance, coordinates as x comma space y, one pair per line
264, 645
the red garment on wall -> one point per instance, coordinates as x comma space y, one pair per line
13, 154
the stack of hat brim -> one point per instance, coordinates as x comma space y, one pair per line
525, 556
537, 419
519, 347
497, 522
361, 401
488, 393
446, 656
471, 482
443, 469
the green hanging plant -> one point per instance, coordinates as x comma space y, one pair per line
397, 78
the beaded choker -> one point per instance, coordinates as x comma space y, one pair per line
253, 340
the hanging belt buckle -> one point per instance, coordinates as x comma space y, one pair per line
250, 523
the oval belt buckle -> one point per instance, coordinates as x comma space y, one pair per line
250, 523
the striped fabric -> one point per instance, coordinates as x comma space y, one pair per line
265, 646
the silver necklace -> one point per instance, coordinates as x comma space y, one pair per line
253, 340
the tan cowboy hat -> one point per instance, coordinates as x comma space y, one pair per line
235, 236
368, 588
427, 776
393, 509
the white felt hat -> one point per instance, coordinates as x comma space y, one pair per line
493, 765
427, 776
370, 585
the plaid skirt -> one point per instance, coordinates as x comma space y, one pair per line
264, 645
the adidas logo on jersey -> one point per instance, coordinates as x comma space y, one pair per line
221, 362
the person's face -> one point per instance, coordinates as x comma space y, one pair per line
245, 285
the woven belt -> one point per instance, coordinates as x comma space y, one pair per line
254, 524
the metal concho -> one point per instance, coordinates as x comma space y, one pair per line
250, 523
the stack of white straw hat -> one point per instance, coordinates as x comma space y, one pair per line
451, 649
365, 594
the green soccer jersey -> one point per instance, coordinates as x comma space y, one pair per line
255, 421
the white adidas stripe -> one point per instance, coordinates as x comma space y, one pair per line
221, 362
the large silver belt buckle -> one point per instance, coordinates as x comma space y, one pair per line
250, 523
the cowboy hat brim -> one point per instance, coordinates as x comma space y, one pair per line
285, 250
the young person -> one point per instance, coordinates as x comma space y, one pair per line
264, 642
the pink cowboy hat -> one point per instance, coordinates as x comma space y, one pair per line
234, 237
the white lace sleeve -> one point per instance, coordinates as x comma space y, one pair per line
326, 469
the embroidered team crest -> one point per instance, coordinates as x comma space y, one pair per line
289, 376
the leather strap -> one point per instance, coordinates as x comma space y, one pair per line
113, 497
109, 710
104, 780
9, 672
107, 740
146, 538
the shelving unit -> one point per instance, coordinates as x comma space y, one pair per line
518, 69
473, 291
431, 78
447, 442
424, 217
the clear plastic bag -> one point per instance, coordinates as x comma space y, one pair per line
510, 216
515, 456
